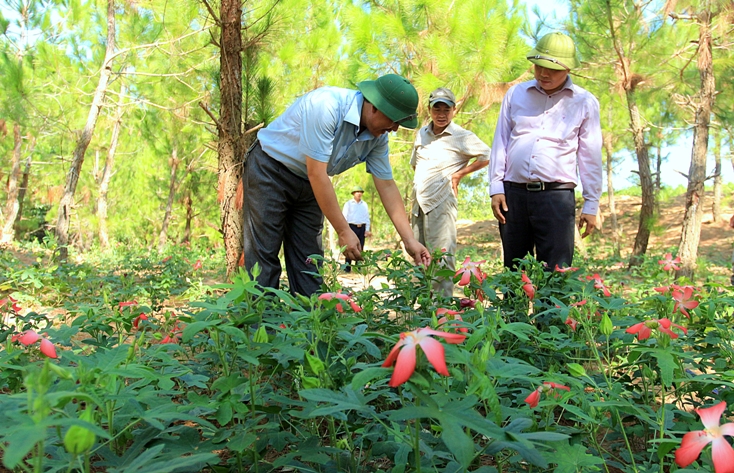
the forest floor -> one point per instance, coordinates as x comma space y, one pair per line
715, 247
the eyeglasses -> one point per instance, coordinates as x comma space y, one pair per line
409, 118
550, 59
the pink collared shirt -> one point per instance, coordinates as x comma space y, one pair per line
548, 138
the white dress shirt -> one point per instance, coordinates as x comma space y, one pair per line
357, 213
548, 138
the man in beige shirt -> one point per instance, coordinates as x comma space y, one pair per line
441, 155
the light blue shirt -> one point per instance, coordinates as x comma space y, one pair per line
324, 125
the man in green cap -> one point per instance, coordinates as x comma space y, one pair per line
287, 189
357, 214
547, 138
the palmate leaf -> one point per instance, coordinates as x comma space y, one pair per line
347, 400
455, 416
20, 440
573, 458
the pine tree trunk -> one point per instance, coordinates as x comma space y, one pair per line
12, 206
22, 190
610, 193
648, 197
104, 182
693, 214
231, 144
716, 206
72, 177
188, 205
637, 128
172, 185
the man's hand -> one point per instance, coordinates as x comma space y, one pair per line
499, 205
589, 221
350, 242
420, 253
731, 221
368, 234
455, 180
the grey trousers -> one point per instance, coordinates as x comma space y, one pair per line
280, 209
437, 230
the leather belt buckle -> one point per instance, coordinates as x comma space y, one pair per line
535, 186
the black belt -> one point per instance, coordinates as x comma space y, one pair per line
541, 186
358, 225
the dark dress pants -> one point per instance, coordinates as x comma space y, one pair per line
280, 209
540, 223
359, 231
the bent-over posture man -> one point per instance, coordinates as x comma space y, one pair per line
287, 190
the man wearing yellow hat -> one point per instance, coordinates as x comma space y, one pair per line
357, 214
547, 138
287, 189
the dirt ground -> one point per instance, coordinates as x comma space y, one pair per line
717, 239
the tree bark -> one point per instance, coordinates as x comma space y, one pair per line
12, 206
22, 190
610, 193
188, 205
72, 177
693, 213
172, 185
716, 205
231, 143
104, 181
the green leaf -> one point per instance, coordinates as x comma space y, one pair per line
458, 442
573, 458
666, 363
20, 441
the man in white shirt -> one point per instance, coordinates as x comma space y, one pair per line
357, 215
441, 155
547, 138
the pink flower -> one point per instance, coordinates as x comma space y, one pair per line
327, 296
713, 433
663, 289
528, 286
449, 315
682, 297
136, 320
534, 396
121, 305
48, 349
571, 322
669, 263
14, 306
197, 265
29, 337
563, 270
579, 303
465, 302
469, 268
644, 329
403, 354
599, 284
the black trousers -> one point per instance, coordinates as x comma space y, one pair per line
540, 223
359, 231
280, 209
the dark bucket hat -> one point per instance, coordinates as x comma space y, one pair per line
394, 96
554, 51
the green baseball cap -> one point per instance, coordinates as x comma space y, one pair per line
357, 189
394, 96
554, 51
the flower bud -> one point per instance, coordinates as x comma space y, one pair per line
79, 439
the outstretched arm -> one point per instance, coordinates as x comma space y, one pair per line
393, 203
325, 195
